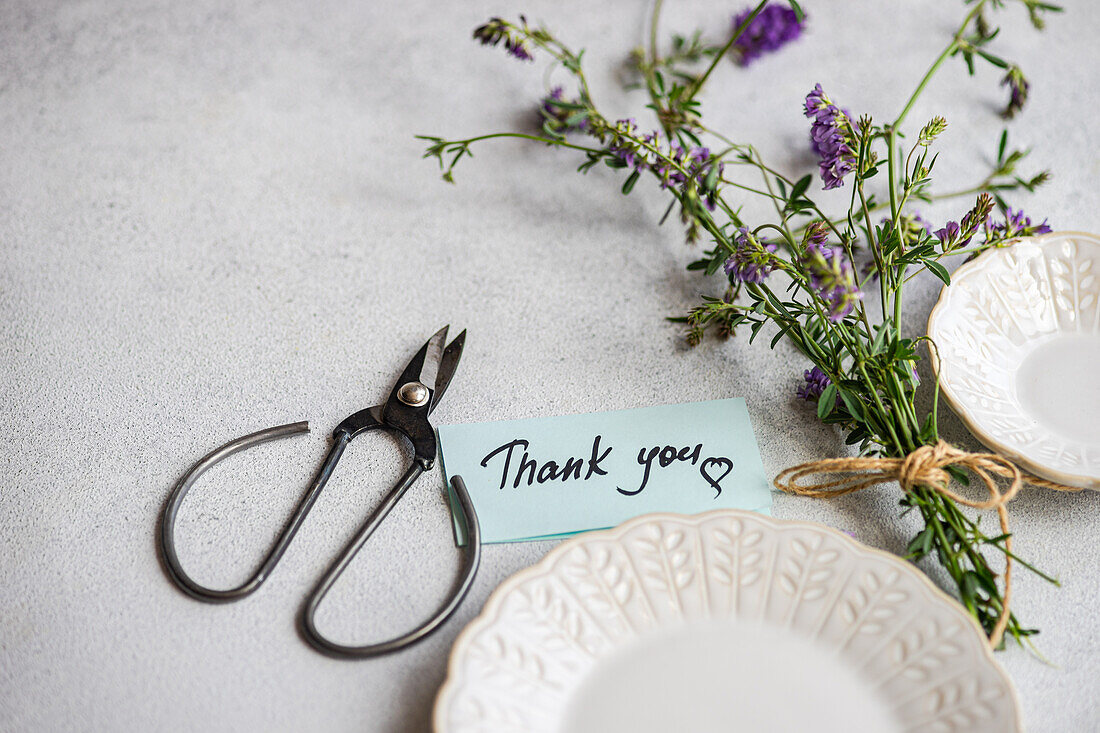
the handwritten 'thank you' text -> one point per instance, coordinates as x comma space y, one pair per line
518, 467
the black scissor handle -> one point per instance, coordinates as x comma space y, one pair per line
469, 570
341, 438
175, 499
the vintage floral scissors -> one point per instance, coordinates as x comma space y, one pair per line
404, 413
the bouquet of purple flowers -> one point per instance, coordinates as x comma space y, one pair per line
804, 271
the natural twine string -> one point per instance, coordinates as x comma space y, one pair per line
924, 467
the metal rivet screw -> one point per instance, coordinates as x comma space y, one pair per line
413, 394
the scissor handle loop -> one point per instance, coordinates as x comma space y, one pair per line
340, 442
466, 578
168, 522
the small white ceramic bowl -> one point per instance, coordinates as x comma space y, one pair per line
1018, 334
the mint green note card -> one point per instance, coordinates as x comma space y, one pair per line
553, 476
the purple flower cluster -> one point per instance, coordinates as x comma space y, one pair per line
774, 27
497, 30
553, 113
549, 102
958, 234
832, 278
1016, 224
1018, 88
831, 136
625, 149
675, 167
949, 234
816, 235
698, 163
519, 50
818, 147
751, 262
816, 382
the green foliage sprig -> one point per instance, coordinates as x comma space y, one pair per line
800, 270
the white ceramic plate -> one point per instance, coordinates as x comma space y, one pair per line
725, 621
1018, 333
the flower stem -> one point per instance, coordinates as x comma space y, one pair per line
698, 85
951, 47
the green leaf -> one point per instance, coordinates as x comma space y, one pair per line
958, 474
756, 326
628, 185
985, 580
854, 405
995, 60
798, 12
880, 340
782, 332
1001, 147
576, 118
711, 180
826, 402
938, 270
928, 430
921, 544
800, 186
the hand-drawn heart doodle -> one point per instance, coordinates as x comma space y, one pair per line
710, 479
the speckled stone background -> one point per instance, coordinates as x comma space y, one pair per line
214, 218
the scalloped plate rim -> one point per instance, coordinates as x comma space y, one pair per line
490, 612
963, 271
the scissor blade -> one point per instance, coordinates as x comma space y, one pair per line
415, 370
433, 352
447, 365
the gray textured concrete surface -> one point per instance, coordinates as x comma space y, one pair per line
214, 218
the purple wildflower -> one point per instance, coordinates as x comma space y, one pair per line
555, 112
831, 136
624, 148
816, 382
699, 155
497, 30
816, 235
1017, 224
701, 165
751, 261
698, 163
548, 102
820, 148
959, 234
774, 27
519, 50
671, 176
1018, 88
949, 234
832, 278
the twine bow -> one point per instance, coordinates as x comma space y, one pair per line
924, 467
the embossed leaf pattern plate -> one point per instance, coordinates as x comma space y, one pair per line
1018, 335
722, 621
